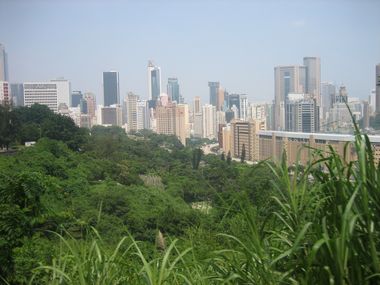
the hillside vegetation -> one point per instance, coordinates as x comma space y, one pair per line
102, 207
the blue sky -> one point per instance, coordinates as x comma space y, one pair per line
235, 42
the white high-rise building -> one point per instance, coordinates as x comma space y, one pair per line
372, 102
5, 93
209, 121
154, 81
132, 111
243, 110
198, 125
142, 115
53, 94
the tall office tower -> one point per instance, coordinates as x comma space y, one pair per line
243, 135
76, 96
341, 97
132, 111
371, 100
164, 99
328, 91
313, 77
233, 100
182, 122
54, 94
142, 115
229, 116
111, 115
220, 118
165, 119
83, 106
3, 64
287, 79
209, 127
91, 104
198, 125
197, 105
243, 110
302, 114
378, 88
5, 93
173, 90
17, 94
366, 113
214, 91
220, 99
111, 91
154, 81
257, 111
63, 92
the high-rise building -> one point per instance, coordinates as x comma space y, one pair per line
220, 99
5, 93
328, 92
302, 114
154, 81
366, 112
3, 64
64, 91
378, 88
243, 107
234, 100
173, 90
313, 77
83, 106
91, 104
132, 111
182, 122
287, 79
198, 125
372, 101
17, 94
111, 115
76, 96
214, 92
197, 105
243, 137
165, 119
54, 94
111, 91
209, 127
142, 115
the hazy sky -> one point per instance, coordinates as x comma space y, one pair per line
235, 42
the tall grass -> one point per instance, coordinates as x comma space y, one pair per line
325, 230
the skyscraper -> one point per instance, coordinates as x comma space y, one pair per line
328, 91
154, 81
3, 64
54, 93
378, 88
5, 93
287, 79
197, 105
313, 77
182, 122
243, 107
111, 91
209, 121
132, 111
76, 96
214, 92
173, 89
17, 94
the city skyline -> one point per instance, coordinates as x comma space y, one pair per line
239, 52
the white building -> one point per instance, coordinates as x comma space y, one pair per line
209, 121
51, 94
5, 93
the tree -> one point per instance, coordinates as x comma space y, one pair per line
242, 157
222, 157
229, 157
197, 155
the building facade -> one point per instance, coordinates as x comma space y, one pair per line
5, 93
154, 81
3, 64
173, 90
111, 92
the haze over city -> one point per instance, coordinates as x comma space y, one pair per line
237, 43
